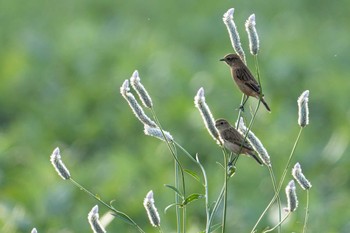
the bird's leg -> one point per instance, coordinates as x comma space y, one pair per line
233, 161
241, 107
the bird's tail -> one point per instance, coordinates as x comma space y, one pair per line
265, 104
253, 155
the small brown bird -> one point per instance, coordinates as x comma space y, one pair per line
244, 79
233, 140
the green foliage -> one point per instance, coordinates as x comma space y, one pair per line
61, 65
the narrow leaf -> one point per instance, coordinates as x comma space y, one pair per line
169, 206
193, 174
175, 189
192, 197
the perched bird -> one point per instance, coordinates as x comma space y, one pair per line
233, 140
244, 79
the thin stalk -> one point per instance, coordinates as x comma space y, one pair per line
207, 210
307, 211
257, 71
274, 184
177, 198
160, 229
216, 206
218, 200
205, 182
290, 159
185, 151
279, 224
240, 110
184, 218
117, 212
225, 194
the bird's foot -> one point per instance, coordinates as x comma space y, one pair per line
231, 170
241, 108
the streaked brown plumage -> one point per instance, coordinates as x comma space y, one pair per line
244, 78
233, 140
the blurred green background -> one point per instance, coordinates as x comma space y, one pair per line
61, 66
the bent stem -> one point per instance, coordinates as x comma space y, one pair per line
186, 152
279, 224
274, 184
117, 212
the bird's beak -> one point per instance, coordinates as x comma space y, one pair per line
222, 59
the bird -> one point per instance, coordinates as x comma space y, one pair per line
233, 140
244, 79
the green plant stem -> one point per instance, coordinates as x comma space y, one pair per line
215, 208
281, 182
218, 200
225, 193
307, 211
274, 184
160, 229
183, 218
207, 210
290, 159
106, 205
240, 110
177, 198
185, 151
257, 71
178, 168
279, 224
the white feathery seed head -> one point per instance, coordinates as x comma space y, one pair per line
59, 166
300, 178
209, 122
151, 210
140, 90
93, 218
252, 35
292, 200
233, 33
303, 109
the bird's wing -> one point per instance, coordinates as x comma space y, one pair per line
233, 136
245, 76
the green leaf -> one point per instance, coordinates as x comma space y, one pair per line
175, 189
193, 174
169, 206
192, 197
124, 217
